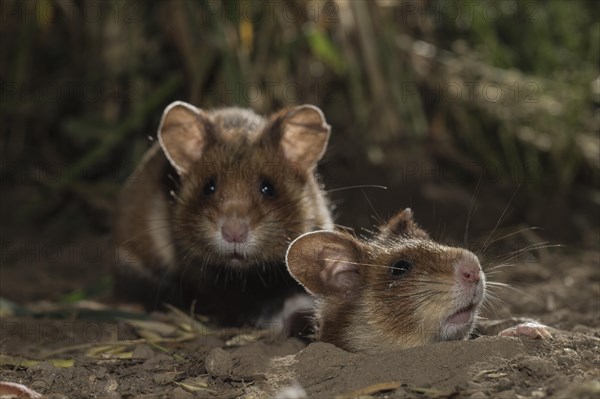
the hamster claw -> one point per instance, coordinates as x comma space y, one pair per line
532, 330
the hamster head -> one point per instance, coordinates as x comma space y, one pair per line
398, 290
247, 184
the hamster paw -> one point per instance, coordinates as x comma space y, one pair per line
529, 330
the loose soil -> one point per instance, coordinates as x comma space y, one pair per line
172, 356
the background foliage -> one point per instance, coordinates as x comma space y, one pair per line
507, 92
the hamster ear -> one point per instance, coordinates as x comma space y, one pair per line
402, 224
182, 135
325, 263
304, 135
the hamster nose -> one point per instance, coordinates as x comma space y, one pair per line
468, 269
234, 231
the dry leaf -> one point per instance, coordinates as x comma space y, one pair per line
371, 389
195, 384
154, 328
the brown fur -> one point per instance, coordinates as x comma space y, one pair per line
377, 311
180, 263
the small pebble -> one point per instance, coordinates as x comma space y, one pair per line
100, 372
503, 384
537, 366
478, 395
111, 385
142, 352
565, 360
218, 362
509, 394
163, 378
588, 355
538, 394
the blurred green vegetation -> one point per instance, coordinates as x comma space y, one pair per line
512, 87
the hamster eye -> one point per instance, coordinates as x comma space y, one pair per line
210, 187
399, 268
267, 189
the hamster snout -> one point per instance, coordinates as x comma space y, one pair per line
397, 290
235, 230
469, 280
467, 269
234, 221
235, 239
468, 293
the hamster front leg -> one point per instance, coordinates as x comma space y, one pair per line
513, 327
531, 329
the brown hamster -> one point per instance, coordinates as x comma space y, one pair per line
208, 214
397, 290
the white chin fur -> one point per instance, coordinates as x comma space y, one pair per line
456, 332
247, 249
459, 331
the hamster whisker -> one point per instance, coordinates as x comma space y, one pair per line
531, 228
287, 204
498, 284
495, 272
471, 209
430, 284
529, 247
379, 219
490, 307
186, 253
490, 299
403, 315
368, 232
514, 254
491, 269
149, 230
179, 283
502, 216
421, 291
358, 263
357, 186
162, 281
492, 285
262, 280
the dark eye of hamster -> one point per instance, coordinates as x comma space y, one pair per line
400, 268
267, 189
210, 187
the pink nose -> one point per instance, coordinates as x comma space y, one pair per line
468, 269
234, 231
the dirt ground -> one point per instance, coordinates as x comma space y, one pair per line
61, 337
80, 350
